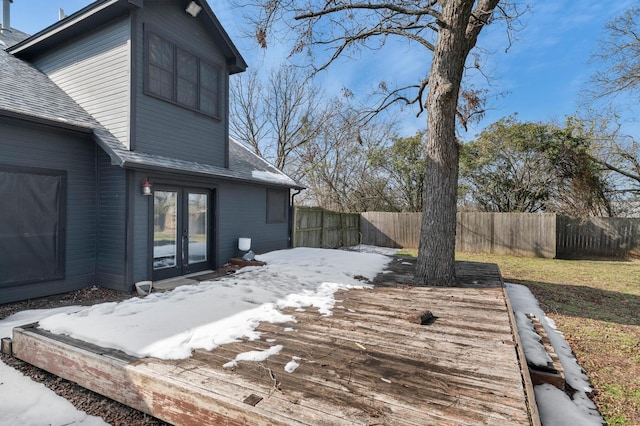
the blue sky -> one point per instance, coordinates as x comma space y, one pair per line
540, 76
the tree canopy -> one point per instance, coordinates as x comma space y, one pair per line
402, 165
531, 167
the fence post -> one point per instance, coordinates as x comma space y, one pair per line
294, 228
323, 230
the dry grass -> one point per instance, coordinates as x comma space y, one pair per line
596, 304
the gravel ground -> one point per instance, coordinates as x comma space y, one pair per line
92, 403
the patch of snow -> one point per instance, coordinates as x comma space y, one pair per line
407, 263
556, 408
523, 301
272, 177
322, 298
364, 248
292, 365
385, 380
29, 317
534, 351
255, 356
170, 325
25, 402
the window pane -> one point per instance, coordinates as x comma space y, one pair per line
208, 102
209, 83
160, 82
187, 66
187, 93
160, 52
198, 205
165, 231
209, 76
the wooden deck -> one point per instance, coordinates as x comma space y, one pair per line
370, 363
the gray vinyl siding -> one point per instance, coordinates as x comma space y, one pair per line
239, 210
142, 206
94, 70
24, 144
111, 253
242, 211
167, 129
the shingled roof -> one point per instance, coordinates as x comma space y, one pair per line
29, 94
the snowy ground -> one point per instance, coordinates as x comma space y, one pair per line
170, 325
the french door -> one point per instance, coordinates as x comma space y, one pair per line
181, 231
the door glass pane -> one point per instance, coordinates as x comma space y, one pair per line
198, 214
165, 231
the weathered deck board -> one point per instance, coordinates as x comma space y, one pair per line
395, 351
366, 364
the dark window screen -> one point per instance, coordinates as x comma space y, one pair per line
276, 206
32, 217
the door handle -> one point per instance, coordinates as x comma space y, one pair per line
185, 248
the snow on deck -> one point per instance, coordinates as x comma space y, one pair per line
369, 362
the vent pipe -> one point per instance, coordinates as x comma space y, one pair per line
6, 16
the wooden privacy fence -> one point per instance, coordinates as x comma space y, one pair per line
316, 227
598, 236
521, 234
385, 229
507, 233
500, 233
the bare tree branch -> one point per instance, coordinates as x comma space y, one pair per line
427, 10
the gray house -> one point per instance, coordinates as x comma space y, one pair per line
116, 164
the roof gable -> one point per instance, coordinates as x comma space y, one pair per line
29, 93
102, 11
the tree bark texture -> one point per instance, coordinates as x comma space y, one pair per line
436, 254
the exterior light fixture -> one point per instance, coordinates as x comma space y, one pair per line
146, 187
193, 9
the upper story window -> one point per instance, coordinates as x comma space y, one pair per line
175, 75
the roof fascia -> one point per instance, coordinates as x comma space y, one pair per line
234, 59
91, 16
141, 166
65, 125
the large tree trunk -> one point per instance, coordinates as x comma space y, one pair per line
436, 255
